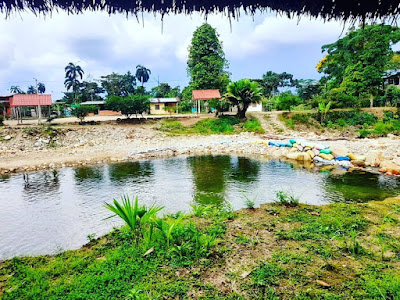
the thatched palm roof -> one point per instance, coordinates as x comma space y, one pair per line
327, 9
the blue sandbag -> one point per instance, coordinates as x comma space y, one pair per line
288, 145
292, 141
273, 144
342, 158
281, 144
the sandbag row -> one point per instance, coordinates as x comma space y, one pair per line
318, 153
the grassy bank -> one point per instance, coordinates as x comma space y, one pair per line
221, 125
337, 251
365, 124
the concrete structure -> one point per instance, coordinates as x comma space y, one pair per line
158, 105
204, 95
255, 107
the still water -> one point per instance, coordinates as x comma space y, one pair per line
50, 211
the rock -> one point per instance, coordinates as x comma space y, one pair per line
390, 168
339, 150
7, 137
374, 158
358, 163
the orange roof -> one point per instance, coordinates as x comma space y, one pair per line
205, 94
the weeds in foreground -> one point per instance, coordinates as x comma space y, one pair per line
286, 199
250, 204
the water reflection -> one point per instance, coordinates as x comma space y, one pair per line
360, 186
89, 173
244, 169
133, 171
43, 211
40, 183
209, 178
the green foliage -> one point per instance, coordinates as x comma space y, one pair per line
128, 105
132, 214
165, 91
142, 74
1, 120
357, 62
207, 65
341, 222
222, 125
119, 85
286, 100
267, 273
82, 111
72, 74
271, 81
242, 93
286, 199
252, 125
306, 89
382, 128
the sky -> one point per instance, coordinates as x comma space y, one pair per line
41, 47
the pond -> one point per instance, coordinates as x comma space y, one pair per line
50, 211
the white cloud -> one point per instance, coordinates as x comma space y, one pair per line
41, 47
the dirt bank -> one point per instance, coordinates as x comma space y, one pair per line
33, 148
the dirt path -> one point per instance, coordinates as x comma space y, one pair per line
271, 123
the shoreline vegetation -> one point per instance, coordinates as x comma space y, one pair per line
282, 250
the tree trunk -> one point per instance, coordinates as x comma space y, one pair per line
371, 100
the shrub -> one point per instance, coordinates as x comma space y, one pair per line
286, 100
1, 120
287, 199
82, 111
253, 125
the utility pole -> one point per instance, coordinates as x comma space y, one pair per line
39, 108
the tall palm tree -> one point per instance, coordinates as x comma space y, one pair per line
72, 74
142, 73
41, 88
242, 93
15, 89
31, 90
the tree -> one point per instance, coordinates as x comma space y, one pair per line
82, 111
242, 93
72, 74
164, 90
117, 84
142, 74
41, 88
271, 81
15, 89
31, 90
89, 91
129, 105
207, 65
170, 109
306, 89
358, 62
286, 100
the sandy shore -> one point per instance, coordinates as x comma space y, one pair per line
24, 150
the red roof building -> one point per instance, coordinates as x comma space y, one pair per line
20, 100
205, 95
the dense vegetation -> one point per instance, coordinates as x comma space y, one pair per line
221, 125
279, 251
367, 124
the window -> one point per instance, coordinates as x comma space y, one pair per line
391, 81
157, 106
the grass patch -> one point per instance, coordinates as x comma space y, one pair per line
297, 249
222, 125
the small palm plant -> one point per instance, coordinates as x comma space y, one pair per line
134, 215
323, 109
